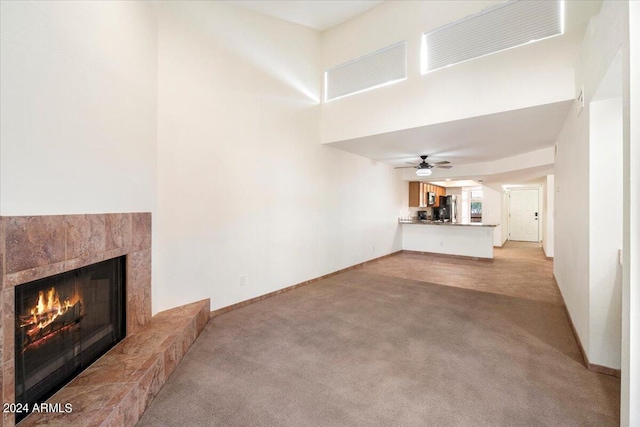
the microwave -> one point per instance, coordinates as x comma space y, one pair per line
431, 199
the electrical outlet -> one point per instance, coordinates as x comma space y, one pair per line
374, 249
243, 280
441, 243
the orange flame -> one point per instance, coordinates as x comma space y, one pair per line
47, 309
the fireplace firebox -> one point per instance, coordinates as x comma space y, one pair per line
63, 324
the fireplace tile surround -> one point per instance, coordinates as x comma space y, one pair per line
34, 247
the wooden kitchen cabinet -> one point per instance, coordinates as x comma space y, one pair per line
416, 197
419, 194
440, 191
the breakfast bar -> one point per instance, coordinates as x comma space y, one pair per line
462, 239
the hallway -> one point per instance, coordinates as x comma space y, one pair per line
519, 269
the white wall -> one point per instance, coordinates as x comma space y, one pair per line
245, 187
571, 250
539, 73
492, 212
547, 215
572, 239
454, 191
77, 107
630, 385
605, 231
543, 214
504, 221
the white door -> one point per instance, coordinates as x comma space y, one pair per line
523, 215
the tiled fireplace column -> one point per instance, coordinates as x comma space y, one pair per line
34, 247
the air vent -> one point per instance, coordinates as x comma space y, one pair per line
380, 68
498, 28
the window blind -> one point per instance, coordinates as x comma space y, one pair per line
498, 28
382, 67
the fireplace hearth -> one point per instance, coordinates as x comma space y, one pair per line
63, 324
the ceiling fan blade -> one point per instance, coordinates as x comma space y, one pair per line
425, 165
405, 167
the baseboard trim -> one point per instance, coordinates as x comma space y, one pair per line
585, 359
590, 366
245, 303
547, 257
604, 370
436, 254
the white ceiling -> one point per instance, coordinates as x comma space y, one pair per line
320, 15
473, 140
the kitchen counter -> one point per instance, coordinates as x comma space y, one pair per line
456, 224
462, 239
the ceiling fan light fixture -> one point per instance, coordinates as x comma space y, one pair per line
423, 172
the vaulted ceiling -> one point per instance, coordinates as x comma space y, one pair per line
319, 15
472, 141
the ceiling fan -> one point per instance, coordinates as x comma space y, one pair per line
424, 168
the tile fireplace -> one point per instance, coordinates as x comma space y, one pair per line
59, 277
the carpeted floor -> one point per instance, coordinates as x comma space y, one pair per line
520, 269
363, 348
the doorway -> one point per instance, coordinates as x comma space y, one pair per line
524, 221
